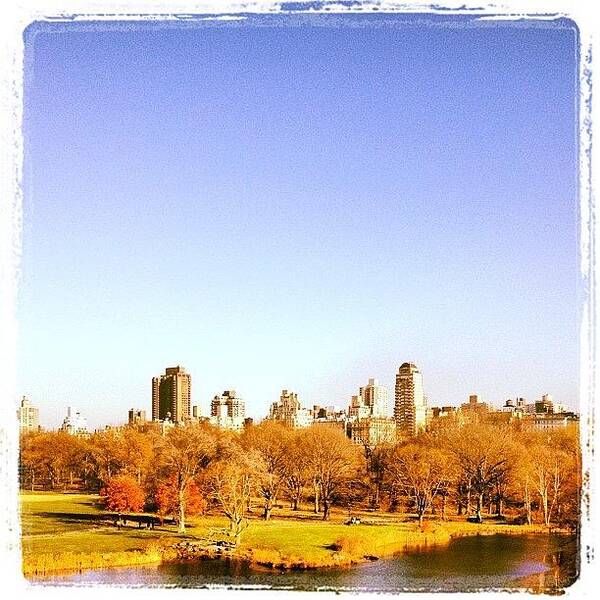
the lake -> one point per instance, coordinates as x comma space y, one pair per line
539, 562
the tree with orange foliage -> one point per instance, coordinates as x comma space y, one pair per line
167, 498
123, 493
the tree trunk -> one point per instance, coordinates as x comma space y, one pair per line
316, 511
325, 510
181, 528
479, 506
499, 507
295, 504
268, 508
527, 501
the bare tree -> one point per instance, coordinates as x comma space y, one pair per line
270, 440
483, 456
421, 471
332, 460
295, 472
230, 480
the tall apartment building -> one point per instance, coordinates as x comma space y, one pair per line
375, 396
228, 411
289, 411
410, 407
171, 395
29, 416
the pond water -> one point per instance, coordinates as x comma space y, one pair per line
537, 562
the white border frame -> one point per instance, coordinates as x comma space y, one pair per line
12, 24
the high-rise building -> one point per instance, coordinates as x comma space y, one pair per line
410, 408
29, 416
171, 395
289, 411
375, 396
228, 411
74, 423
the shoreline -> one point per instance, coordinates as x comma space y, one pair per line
350, 550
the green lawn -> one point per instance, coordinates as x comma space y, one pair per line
56, 523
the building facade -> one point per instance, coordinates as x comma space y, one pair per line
74, 423
410, 408
228, 411
289, 411
375, 396
171, 395
29, 416
358, 410
373, 432
136, 416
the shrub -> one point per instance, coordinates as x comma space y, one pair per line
353, 546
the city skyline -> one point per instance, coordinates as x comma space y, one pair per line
299, 222
375, 391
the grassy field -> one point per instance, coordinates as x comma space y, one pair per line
64, 531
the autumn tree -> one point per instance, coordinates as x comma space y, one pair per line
107, 454
166, 497
122, 493
332, 459
30, 458
270, 441
186, 451
549, 468
231, 482
481, 451
295, 471
421, 471
138, 452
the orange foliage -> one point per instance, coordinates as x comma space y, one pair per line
123, 493
167, 498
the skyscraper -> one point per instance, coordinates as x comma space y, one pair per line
171, 395
410, 408
29, 416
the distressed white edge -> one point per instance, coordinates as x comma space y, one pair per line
14, 20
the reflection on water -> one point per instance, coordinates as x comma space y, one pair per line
537, 562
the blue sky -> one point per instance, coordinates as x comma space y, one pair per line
286, 204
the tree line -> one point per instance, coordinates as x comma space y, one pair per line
473, 470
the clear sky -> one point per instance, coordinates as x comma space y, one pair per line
287, 204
